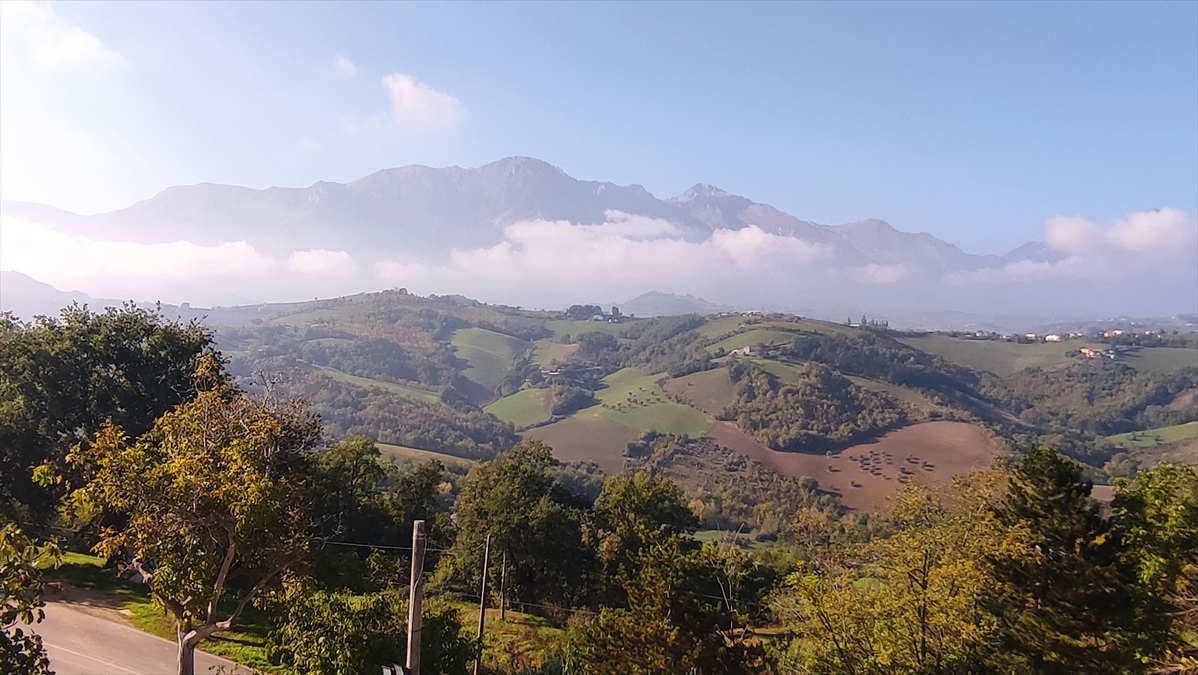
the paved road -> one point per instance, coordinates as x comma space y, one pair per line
83, 640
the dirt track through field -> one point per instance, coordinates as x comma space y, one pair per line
865, 475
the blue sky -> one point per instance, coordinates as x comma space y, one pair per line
975, 122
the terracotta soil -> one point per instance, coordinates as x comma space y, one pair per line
865, 475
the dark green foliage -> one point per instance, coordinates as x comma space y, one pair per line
61, 378
1094, 397
328, 633
565, 399
348, 410
581, 312
21, 649
877, 356
539, 523
1071, 606
821, 411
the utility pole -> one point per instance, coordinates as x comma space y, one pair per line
502, 585
482, 603
416, 597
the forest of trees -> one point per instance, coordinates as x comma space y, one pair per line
820, 411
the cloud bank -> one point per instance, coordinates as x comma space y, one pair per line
1144, 263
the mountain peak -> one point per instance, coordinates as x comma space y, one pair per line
700, 190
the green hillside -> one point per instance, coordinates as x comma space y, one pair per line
393, 387
1162, 359
489, 354
751, 337
523, 408
401, 454
1153, 437
998, 357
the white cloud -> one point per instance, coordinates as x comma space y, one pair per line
1161, 243
554, 261
416, 105
1142, 231
343, 66
322, 262
179, 271
34, 34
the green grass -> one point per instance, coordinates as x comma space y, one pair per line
547, 351
752, 337
727, 324
523, 408
633, 399
573, 328
489, 354
1000, 358
720, 326
786, 372
393, 387
1162, 359
401, 453
1154, 437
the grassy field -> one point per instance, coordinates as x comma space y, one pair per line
597, 440
489, 354
548, 351
710, 391
1153, 437
573, 328
752, 337
401, 454
522, 408
1000, 358
630, 405
1162, 359
727, 324
401, 389
634, 400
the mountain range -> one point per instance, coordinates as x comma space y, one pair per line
500, 231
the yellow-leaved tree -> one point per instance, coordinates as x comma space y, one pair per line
212, 502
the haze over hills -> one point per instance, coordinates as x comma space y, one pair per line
521, 231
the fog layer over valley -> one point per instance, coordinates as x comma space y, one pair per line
522, 232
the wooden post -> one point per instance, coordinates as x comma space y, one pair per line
416, 597
482, 603
502, 585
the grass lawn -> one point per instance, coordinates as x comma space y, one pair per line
634, 400
710, 391
489, 354
246, 646
1162, 359
401, 453
548, 351
1153, 437
401, 389
1000, 358
752, 337
573, 328
523, 408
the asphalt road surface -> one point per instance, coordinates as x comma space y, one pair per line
83, 640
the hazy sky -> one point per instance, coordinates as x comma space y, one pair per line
976, 122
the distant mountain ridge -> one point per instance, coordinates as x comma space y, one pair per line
421, 210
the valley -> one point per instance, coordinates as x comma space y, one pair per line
859, 409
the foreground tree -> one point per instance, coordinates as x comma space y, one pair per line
21, 602
538, 522
913, 602
1072, 605
61, 378
212, 502
1156, 517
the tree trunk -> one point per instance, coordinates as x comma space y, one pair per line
187, 656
